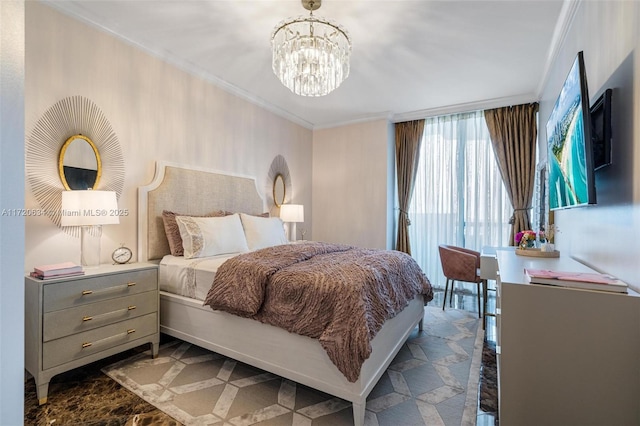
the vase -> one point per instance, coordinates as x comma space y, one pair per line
527, 245
547, 247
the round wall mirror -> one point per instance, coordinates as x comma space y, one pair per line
79, 163
279, 190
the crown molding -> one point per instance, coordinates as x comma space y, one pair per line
388, 115
563, 25
466, 107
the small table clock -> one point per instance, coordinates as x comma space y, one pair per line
122, 254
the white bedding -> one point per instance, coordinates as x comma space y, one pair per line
189, 277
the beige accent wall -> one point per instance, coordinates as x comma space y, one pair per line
352, 184
605, 236
159, 112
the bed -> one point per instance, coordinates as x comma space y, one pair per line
292, 356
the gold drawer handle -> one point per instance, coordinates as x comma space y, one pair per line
119, 311
129, 331
128, 284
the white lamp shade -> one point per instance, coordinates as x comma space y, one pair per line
292, 213
88, 207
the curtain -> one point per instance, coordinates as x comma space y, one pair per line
514, 133
408, 140
459, 197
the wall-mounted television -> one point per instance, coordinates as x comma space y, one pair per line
601, 130
570, 150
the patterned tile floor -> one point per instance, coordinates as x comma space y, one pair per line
425, 384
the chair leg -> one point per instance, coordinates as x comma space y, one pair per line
453, 282
484, 295
479, 295
446, 287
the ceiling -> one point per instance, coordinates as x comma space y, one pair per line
410, 58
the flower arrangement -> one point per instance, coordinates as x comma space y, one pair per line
526, 239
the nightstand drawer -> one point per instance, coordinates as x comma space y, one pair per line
93, 315
60, 351
71, 293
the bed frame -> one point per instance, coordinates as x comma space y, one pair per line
295, 357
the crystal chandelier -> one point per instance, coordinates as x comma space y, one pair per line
310, 54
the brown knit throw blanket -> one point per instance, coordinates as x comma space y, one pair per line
338, 294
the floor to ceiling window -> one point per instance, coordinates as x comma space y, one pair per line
459, 198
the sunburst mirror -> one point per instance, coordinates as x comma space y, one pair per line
72, 134
278, 182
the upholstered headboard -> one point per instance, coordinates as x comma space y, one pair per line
189, 190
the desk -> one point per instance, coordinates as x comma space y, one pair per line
565, 356
489, 261
489, 271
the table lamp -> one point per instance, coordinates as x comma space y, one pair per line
90, 210
292, 213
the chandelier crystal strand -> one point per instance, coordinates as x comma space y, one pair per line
310, 54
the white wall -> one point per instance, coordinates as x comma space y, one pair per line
11, 198
158, 112
352, 184
605, 236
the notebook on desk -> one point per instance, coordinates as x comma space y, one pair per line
583, 280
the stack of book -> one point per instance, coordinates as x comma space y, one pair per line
583, 280
58, 270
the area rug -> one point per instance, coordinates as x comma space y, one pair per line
432, 381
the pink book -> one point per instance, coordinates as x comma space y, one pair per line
50, 277
583, 280
588, 277
57, 269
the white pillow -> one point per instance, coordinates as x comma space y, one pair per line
263, 232
210, 236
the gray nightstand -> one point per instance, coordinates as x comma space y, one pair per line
70, 322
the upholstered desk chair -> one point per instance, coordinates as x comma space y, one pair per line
461, 264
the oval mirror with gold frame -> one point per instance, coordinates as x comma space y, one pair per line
278, 184
279, 190
79, 163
